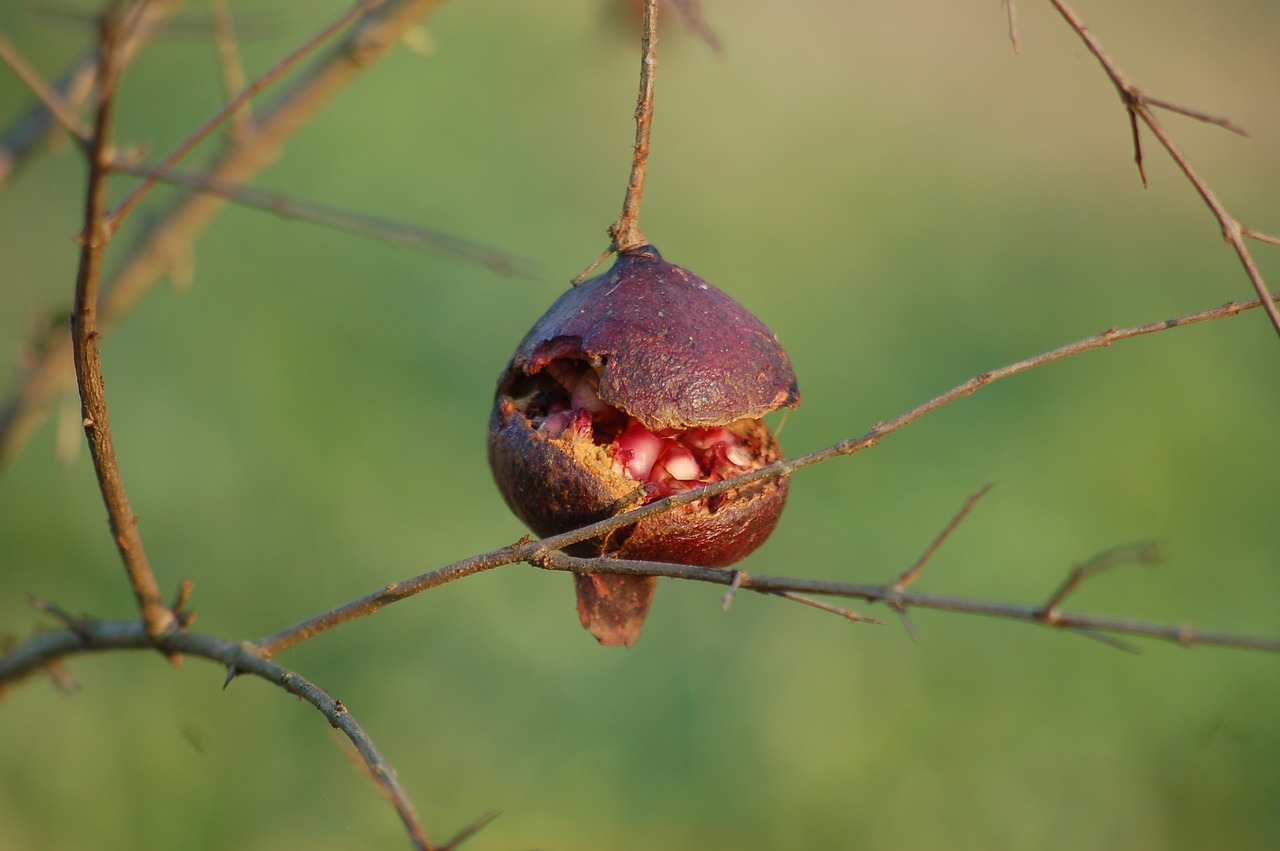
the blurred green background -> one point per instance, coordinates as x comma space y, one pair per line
906, 203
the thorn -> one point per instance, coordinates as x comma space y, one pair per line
232, 673
470, 830
58, 613
1137, 141
62, 681
907, 623
1110, 641
847, 614
182, 597
734, 585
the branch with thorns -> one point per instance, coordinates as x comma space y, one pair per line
1139, 106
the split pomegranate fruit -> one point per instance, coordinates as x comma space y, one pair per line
640, 383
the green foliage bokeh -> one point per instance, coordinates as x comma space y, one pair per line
906, 203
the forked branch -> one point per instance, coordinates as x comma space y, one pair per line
1139, 105
168, 238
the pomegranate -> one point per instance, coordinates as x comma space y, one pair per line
640, 383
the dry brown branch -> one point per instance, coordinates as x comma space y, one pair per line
532, 551
847, 614
58, 109
912, 573
21, 140
84, 331
233, 78
775, 585
171, 232
1261, 237
271, 75
690, 11
1011, 14
400, 234
1138, 104
39, 652
1145, 552
625, 233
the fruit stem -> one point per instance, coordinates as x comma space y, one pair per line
626, 231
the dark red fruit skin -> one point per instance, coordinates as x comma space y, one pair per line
673, 352
677, 351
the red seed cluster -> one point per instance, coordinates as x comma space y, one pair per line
667, 461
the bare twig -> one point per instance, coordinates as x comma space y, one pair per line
84, 330
534, 551
1261, 237
847, 614
775, 585
37, 653
625, 233
116, 216
1139, 104
470, 830
47, 95
72, 88
690, 12
1011, 13
912, 573
400, 234
1204, 117
172, 231
233, 80
1145, 552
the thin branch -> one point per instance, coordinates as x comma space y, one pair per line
912, 573
847, 614
530, 550
47, 95
400, 234
1011, 13
626, 232
84, 330
171, 231
25, 135
690, 11
233, 80
1217, 120
1261, 237
470, 830
116, 216
1146, 552
1138, 104
37, 653
774, 585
